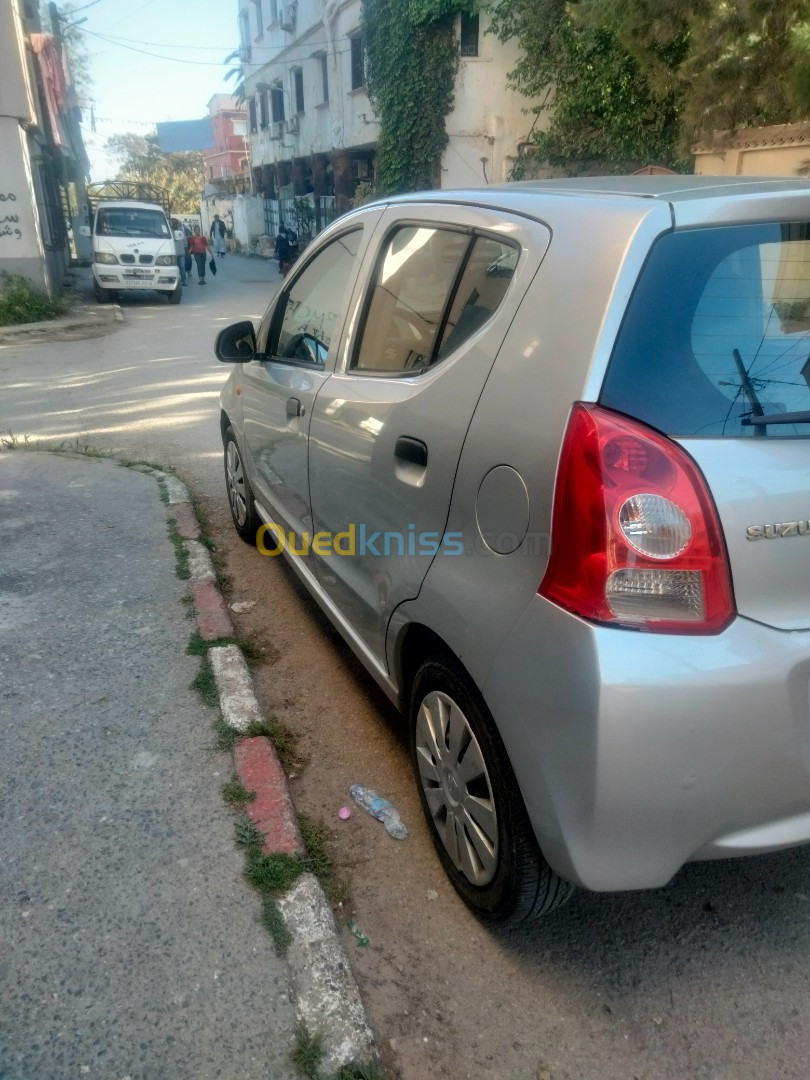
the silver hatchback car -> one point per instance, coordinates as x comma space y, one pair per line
541, 452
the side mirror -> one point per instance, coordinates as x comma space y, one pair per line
84, 230
236, 344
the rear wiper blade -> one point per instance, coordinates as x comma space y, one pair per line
778, 418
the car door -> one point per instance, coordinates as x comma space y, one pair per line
388, 427
296, 344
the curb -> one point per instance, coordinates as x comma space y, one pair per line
327, 999
69, 326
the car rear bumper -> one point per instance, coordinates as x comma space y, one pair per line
637, 753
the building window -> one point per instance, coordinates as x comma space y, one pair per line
252, 116
277, 104
298, 89
469, 35
358, 67
324, 79
264, 118
257, 11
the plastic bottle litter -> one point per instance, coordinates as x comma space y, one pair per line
379, 808
358, 933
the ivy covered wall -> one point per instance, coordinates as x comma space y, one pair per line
411, 64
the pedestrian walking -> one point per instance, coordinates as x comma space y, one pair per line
180, 248
198, 246
282, 251
218, 236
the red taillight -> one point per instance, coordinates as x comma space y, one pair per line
635, 537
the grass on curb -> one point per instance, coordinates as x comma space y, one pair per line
235, 793
181, 565
315, 835
247, 835
205, 683
253, 654
273, 922
308, 1053
272, 873
372, 1071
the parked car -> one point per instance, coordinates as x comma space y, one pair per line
541, 454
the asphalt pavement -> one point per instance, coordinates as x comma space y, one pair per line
130, 948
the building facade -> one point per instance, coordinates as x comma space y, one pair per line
311, 128
226, 163
43, 167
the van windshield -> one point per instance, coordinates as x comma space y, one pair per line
135, 222
716, 340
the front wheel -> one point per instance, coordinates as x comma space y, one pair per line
471, 800
176, 295
102, 295
240, 494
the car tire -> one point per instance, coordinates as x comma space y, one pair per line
103, 296
460, 763
176, 295
240, 494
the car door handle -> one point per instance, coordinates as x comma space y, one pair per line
294, 407
411, 450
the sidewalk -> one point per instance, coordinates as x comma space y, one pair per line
130, 947
86, 319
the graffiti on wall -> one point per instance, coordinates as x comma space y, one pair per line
9, 223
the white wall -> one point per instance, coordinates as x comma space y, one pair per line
21, 250
488, 119
248, 219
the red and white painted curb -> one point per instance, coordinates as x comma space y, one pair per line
326, 996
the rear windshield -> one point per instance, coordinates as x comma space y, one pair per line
716, 339
140, 223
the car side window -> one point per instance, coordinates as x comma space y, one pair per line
312, 304
414, 279
434, 288
483, 285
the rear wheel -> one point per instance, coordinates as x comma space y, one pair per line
471, 800
240, 494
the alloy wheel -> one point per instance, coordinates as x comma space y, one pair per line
457, 787
237, 494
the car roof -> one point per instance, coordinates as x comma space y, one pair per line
692, 200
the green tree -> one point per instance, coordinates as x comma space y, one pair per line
606, 110
735, 63
182, 174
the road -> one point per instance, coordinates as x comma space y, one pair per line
708, 978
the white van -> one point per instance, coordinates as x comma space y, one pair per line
133, 249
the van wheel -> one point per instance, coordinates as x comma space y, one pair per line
240, 494
102, 296
470, 798
176, 295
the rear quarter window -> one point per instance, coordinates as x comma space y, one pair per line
716, 338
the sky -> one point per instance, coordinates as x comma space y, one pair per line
188, 41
